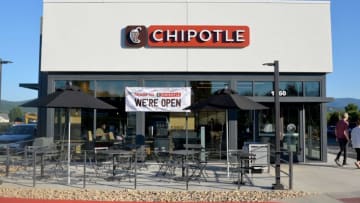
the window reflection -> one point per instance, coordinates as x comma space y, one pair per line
164, 83
203, 89
312, 89
263, 88
292, 88
245, 88
112, 88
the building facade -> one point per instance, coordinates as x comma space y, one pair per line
103, 46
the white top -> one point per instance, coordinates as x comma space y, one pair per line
355, 137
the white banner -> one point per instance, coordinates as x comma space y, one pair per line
170, 99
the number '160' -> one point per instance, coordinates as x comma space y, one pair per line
282, 93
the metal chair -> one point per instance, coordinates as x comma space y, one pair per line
165, 163
241, 164
102, 162
198, 167
124, 166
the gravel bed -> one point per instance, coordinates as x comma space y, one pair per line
147, 196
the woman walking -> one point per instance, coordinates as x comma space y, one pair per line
355, 141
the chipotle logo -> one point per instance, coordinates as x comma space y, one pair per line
188, 36
136, 36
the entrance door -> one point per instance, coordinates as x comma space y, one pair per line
312, 139
291, 128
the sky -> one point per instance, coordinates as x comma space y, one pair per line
20, 35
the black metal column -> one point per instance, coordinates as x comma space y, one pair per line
277, 185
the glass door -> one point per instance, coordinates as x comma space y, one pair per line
290, 131
290, 120
312, 132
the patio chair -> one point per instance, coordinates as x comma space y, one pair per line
47, 154
240, 164
198, 167
111, 137
141, 157
124, 166
40, 143
102, 162
165, 163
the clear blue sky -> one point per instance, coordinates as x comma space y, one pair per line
20, 33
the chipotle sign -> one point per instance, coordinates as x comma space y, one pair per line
188, 36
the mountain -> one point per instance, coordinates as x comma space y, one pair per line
339, 104
6, 106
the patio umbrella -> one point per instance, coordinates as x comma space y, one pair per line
226, 99
68, 98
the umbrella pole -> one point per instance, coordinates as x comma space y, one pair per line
69, 126
227, 144
187, 153
186, 134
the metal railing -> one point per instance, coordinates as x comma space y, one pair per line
83, 159
290, 163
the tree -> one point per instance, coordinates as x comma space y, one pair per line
352, 110
16, 114
333, 117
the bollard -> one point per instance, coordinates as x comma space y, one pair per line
290, 170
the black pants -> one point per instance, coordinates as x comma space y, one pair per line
342, 145
357, 154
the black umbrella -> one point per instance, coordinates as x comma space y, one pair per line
69, 98
225, 99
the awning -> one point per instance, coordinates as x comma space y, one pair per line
33, 86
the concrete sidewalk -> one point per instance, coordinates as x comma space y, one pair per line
331, 182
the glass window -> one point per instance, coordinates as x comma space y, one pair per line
119, 122
245, 127
212, 122
164, 130
263, 88
266, 122
81, 119
292, 88
164, 83
203, 89
86, 86
113, 88
245, 88
312, 89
